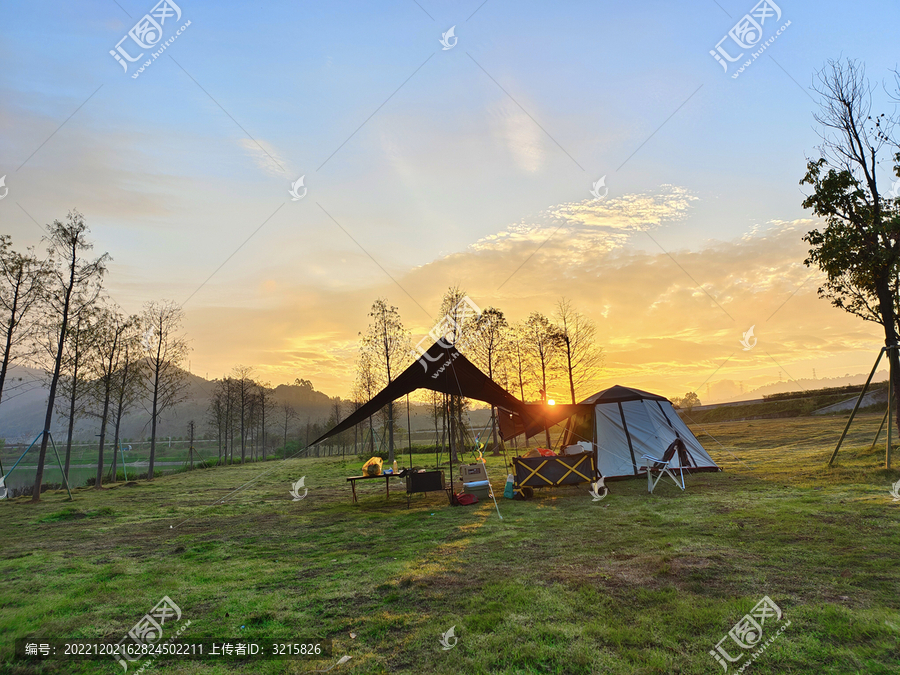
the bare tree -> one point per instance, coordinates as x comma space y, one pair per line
543, 342
220, 418
456, 327
230, 408
164, 380
581, 354
215, 415
22, 282
366, 385
387, 341
488, 343
436, 412
252, 419
127, 386
73, 382
264, 399
243, 384
111, 332
519, 359
287, 414
73, 287
335, 419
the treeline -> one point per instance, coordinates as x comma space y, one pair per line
99, 362
537, 359
245, 417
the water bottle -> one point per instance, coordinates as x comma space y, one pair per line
509, 491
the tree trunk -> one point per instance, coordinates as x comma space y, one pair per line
114, 471
152, 435
569, 362
7, 349
243, 441
157, 366
103, 419
544, 384
71, 421
119, 411
51, 398
886, 308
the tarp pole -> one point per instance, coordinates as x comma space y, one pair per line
856, 407
409, 431
881, 428
452, 487
65, 478
887, 451
23, 454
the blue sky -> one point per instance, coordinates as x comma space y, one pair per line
174, 170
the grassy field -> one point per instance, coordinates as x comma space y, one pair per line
636, 583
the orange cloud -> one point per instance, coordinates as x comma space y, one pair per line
659, 329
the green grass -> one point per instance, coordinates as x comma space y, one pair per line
636, 583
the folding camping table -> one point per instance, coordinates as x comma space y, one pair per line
387, 482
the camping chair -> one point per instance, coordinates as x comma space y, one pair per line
661, 465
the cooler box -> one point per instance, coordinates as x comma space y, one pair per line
479, 488
469, 473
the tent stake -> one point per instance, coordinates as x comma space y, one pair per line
858, 401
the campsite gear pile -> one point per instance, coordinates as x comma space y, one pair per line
540, 452
616, 427
475, 481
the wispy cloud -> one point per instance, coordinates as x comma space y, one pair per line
267, 157
589, 227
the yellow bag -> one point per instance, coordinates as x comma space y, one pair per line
373, 467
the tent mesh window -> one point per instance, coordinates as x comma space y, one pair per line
581, 428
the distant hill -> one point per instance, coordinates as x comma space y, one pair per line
726, 391
25, 404
790, 404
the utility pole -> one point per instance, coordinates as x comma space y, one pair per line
191, 446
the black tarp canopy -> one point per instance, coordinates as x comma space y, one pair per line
533, 418
446, 370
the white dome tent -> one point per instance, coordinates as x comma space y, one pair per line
623, 424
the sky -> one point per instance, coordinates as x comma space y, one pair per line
428, 164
